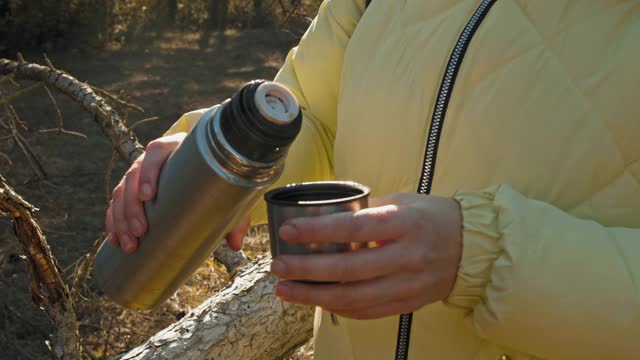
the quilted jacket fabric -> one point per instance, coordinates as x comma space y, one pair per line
540, 146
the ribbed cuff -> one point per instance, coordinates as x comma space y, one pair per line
480, 247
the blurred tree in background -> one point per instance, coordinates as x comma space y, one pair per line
51, 23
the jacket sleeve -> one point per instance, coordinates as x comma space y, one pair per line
541, 281
312, 72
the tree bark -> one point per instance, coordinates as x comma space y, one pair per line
244, 321
48, 290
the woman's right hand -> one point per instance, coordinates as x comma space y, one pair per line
125, 220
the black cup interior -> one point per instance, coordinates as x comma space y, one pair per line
316, 193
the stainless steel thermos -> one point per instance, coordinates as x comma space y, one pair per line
214, 177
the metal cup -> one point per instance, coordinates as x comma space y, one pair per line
312, 199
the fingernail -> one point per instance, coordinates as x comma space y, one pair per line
283, 290
145, 190
137, 227
288, 232
278, 267
127, 243
111, 238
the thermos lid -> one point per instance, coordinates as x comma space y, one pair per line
276, 103
261, 120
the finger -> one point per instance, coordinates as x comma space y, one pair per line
134, 212
237, 234
379, 223
352, 296
397, 307
343, 267
155, 156
127, 241
117, 209
110, 227
112, 238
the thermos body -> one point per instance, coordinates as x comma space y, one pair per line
204, 188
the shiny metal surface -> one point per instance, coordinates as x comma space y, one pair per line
204, 189
312, 199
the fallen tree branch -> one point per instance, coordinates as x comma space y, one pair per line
48, 290
108, 119
230, 259
113, 126
244, 321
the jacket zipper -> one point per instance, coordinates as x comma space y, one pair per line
431, 151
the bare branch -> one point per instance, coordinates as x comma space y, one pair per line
35, 164
31, 156
10, 125
288, 16
84, 267
108, 119
22, 92
4, 156
65, 131
231, 260
47, 287
107, 339
60, 129
48, 62
11, 111
56, 107
140, 122
121, 103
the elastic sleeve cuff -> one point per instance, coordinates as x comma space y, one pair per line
480, 246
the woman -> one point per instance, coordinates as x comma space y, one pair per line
530, 109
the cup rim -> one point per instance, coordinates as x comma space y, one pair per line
271, 196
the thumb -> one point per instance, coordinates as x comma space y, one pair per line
237, 234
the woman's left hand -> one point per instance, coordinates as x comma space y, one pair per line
415, 265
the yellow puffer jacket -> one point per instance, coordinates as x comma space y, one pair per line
540, 144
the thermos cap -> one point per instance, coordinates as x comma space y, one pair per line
261, 120
276, 104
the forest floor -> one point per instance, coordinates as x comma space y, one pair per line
167, 74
